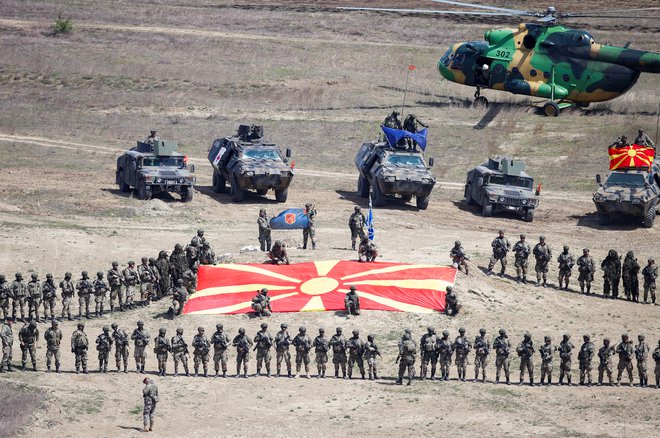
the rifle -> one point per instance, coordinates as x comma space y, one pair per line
639, 353
500, 247
398, 357
458, 253
140, 337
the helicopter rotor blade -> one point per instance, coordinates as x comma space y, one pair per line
647, 17
608, 11
426, 11
490, 8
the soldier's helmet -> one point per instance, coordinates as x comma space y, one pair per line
445, 333
357, 209
152, 260
339, 330
284, 326
219, 326
370, 337
200, 232
81, 325
321, 330
84, 274
541, 238
162, 253
55, 323
566, 336
641, 337
528, 335
457, 243
461, 330
2, 278
153, 131
131, 263
640, 131
19, 276
396, 113
9, 319
352, 288
585, 250
179, 281
200, 329
302, 329
114, 325
264, 291
407, 336
49, 276
586, 338
624, 137
115, 264
179, 331
99, 274
278, 243
651, 260
140, 323
178, 247
606, 341
522, 237
502, 332
624, 336
67, 275
565, 247
241, 331
356, 332
482, 331
264, 325
407, 330
35, 275
162, 331
33, 324
206, 245
107, 329
430, 329
611, 253
546, 338
144, 259
449, 288
262, 210
500, 231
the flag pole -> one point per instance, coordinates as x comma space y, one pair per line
405, 90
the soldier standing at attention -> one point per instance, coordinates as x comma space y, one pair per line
277, 254
53, 337
282, 343
462, 348
162, 347
611, 267
116, 279
521, 251
100, 289
121, 346
642, 355
356, 224
501, 247
85, 289
643, 140
7, 337
458, 258
303, 344
339, 359
482, 350
264, 342
565, 356
547, 351
650, 274
140, 338
406, 358
220, 342
163, 267
179, 352
104, 347
28, 337
261, 303
525, 351
49, 294
605, 354
566, 263
625, 351
428, 346
502, 348
131, 279
355, 347
352, 302
444, 354
310, 231
5, 295
19, 294
543, 255
630, 277
201, 346
150, 396
79, 346
34, 297
321, 346
68, 290
585, 356
371, 354
587, 269
178, 263
243, 345
656, 358
264, 230
145, 274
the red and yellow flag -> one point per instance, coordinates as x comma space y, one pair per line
631, 156
321, 286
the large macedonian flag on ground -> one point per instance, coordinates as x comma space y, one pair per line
631, 156
319, 286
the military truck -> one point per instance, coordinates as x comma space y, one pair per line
391, 172
501, 184
632, 193
247, 162
153, 168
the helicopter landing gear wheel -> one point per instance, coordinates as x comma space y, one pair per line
551, 109
479, 100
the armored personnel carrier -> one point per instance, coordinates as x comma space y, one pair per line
632, 193
501, 184
392, 172
247, 162
153, 168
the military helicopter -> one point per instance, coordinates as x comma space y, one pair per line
542, 59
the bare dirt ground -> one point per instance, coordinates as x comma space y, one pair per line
320, 81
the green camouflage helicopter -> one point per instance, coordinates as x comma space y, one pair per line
543, 59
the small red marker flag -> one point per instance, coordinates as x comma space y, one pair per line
293, 164
411, 67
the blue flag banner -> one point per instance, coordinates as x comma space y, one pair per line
370, 222
291, 219
395, 135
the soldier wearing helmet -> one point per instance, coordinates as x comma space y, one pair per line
34, 297
502, 348
309, 233
282, 343
611, 267
656, 358
585, 356
179, 298
48, 296
53, 337
458, 258
140, 338
452, 305
162, 346
643, 139
605, 354
650, 274
444, 347
202, 347
367, 251
104, 346
410, 124
429, 351
462, 347
406, 358
501, 247
566, 348
371, 354
587, 269
303, 344
115, 280
261, 303
199, 240
355, 347
566, 262
263, 341
339, 359
220, 342
243, 345
521, 252
28, 337
5, 295
626, 352
481, 350
152, 138
525, 351
100, 291
85, 288
278, 254
264, 230
19, 294
131, 281
352, 302
206, 255
543, 254
642, 355
79, 346
180, 352
321, 346
147, 280
393, 121
547, 351
178, 263
121, 346
162, 266
630, 276
356, 223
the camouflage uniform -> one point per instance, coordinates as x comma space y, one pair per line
303, 344
309, 233
116, 279
371, 354
407, 352
179, 297
277, 253
261, 303
190, 280
410, 124
339, 359
620, 142
7, 337
355, 347
179, 352
368, 251
263, 341
104, 347
178, 263
155, 282
85, 289
199, 240
393, 121
566, 262
53, 337
243, 345
100, 289
34, 297
282, 342
5, 295
587, 269
79, 346
28, 337
611, 267
356, 224
585, 356
201, 346
642, 355
428, 347
547, 351
48, 296
220, 342
19, 294
525, 351
150, 397
131, 280
321, 346
461, 347
565, 357
444, 354
650, 274
543, 255
605, 354
163, 266
521, 251
147, 280
630, 276
656, 358
452, 306
625, 351
352, 302
264, 230
501, 247
643, 140
458, 258
192, 254
140, 338
206, 255
482, 350
121, 346
502, 348
162, 346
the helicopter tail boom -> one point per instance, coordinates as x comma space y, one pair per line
647, 62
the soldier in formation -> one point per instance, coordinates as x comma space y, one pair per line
309, 233
49, 295
243, 344
303, 344
371, 355
146, 276
140, 338
356, 224
5, 295
85, 289
650, 274
202, 347
458, 258
220, 342
120, 338
625, 351
53, 338
368, 251
429, 351
261, 303
585, 357
162, 347
352, 302
165, 280
28, 337
104, 347
68, 289
79, 346
605, 354
263, 343
34, 297
461, 348
587, 269
150, 397
355, 348
100, 291
656, 358
178, 263
521, 252
611, 267
525, 351
321, 346
19, 295
116, 280
7, 338
339, 358
543, 255
642, 355
445, 352
502, 348
630, 276
277, 253
501, 247
180, 352
406, 358
264, 230
547, 351
481, 350
566, 348
566, 262
131, 280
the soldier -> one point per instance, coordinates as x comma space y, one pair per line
355, 347
521, 251
140, 338
79, 346
352, 302
502, 348
656, 357
201, 346
264, 230
410, 124
19, 294
179, 298
162, 346
277, 253
199, 240
100, 289
146, 281
150, 396
53, 337
367, 251
392, 121
282, 343
428, 346
321, 346
642, 355
155, 282
525, 351
643, 140
180, 352
165, 281
131, 280
461, 347
261, 303
192, 253
630, 276
49, 295
482, 350
190, 280
116, 279
543, 255
7, 337
263, 341
587, 269
565, 356
104, 347
121, 346
452, 306
406, 358
28, 337
303, 344
620, 142
5, 295
34, 297
85, 288
566, 263
605, 354
220, 342
585, 356
625, 351
650, 274
309, 233
547, 351
206, 255
356, 224
152, 137
501, 247
445, 352
458, 258
611, 267
339, 359
243, 345
178, 263
371, 354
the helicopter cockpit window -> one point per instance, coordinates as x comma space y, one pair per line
582, 39
457, 62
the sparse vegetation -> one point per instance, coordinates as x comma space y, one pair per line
62, 26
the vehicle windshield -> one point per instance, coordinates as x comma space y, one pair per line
404, 160
626, 179
163, 162
262, 154
509, 180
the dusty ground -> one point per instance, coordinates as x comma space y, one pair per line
320, 81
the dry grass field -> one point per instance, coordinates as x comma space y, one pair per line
320, 81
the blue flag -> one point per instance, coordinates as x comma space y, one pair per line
291, 219
370, 222
395, 135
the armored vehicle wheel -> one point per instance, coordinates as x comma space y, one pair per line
187, 194
649, 217
529, 215
480, 102
422, 202
551, 109
281, 195
468, 195
378, 196
219, 183
363, 187
143, 191
262, 192
603, 218
123, 187
237, 194
406, 198
487, 210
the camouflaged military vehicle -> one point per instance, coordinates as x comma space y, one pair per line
632, 193
247, 162
153, 168
501, 184
392, 172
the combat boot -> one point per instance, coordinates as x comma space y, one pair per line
85, 371
375, 375
371, 377
23, 368
336, 373
289, 373
549, 380
353, 246
524, 280
531, 381
57, 368
217, 372
245, 375
399, 382
77, 370
409, 382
